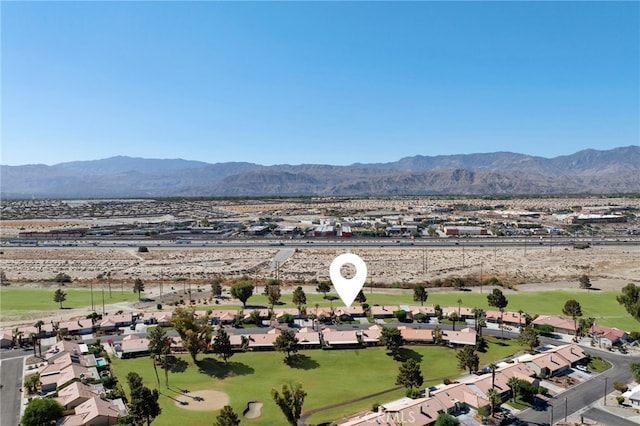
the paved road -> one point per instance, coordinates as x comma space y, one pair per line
605, 418
10, 396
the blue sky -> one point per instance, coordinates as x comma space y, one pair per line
316, 82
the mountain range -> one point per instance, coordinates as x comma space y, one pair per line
589, 171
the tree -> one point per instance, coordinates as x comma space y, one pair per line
410, 375
361, 298
59, 296
290, 401
194, 331
143, 405
216, 288
630, 299
513, 384
635, 370
574, 310
158, 344
492, 367
42, 412
584, 281
138, 287
445, 419
480, 317
499, 301
227, 417
32, 382
392, 340
468, 359
420, 295
273, 294
222, 345
39, 325
255, 317
62, 278
299, 298
287, 342
453, 317
529, 337
242, 290
494, 399
323, 287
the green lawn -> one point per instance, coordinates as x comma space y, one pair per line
14, 301
327, 377
601, 305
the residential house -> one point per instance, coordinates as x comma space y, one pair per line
548, 364
335, 339
456, 396
466, 336
428, 311
162, 319
308, 338
383, 311
114, 322
133, 345
95, 412
77, 327
559, 324
6, 338
349, 313
607, 336
416, 335
633, 395
371, 336
76, 393
263, 341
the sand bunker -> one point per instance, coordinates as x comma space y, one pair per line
254, 410
206, 400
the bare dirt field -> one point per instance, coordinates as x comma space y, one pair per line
385, 265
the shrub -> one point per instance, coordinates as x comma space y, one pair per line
420, 317
620, 400
400, 315
286, 319
159, 306
143, 249
620, 387
375, 407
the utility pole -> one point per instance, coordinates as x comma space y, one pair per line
551, 415
102, 299
565, 409
93, 308
161, 281
462, 254
481, 265
605, 390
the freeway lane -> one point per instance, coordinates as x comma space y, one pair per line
10, 395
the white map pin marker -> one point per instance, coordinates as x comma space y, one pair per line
348, 289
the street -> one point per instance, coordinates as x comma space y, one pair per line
10, 395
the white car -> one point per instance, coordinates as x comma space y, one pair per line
582, 368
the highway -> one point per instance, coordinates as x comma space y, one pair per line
266, 242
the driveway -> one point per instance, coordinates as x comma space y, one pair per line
10, 395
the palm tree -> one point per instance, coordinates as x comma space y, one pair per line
492, 368
513, 383
480, 316
459, 304
39, 325
453, 317
158, 343
494, 399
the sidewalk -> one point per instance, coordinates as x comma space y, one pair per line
627, 412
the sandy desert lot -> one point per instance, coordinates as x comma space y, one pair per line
386, 265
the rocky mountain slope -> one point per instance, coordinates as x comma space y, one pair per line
501, 173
